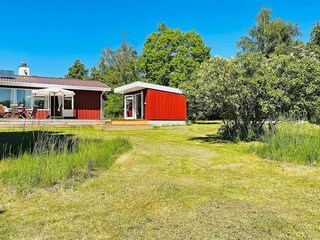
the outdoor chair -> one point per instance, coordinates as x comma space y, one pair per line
2, 112
34, 112
14, 111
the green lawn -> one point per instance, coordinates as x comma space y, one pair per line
175, 183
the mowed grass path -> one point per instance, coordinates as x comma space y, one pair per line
175, 183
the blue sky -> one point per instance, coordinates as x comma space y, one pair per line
51, 35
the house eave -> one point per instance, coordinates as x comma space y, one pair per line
43, 85
137, 86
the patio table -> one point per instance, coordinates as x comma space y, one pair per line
22, 112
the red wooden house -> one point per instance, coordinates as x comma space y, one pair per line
83, 100
158, 104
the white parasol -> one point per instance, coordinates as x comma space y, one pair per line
53, 91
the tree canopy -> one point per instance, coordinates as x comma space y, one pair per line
77, 70
267, 34
116, 68
250, 90
315, 34
170, 56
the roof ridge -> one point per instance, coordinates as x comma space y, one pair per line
79, 84
78, 79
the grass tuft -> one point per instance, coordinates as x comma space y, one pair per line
298, 143
52, 158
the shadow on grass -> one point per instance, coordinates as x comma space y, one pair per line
210, 138
15, 144
2, 211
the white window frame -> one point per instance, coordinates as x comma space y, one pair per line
33, 97
125, 106
14, 95
134, 105
68, 112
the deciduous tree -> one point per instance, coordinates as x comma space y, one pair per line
251, 90
116, 68
315, 34
267, 34
170, 56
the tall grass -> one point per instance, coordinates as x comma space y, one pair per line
299, 143
54, 159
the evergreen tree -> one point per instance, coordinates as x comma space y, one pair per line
78, 71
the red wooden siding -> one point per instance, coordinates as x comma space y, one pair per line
165, 106
43, 114
87, 104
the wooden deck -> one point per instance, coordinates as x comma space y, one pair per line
115, 124
4, 122
123, 124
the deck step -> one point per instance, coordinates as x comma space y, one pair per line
129, 122
125, 127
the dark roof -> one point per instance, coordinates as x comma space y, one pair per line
70, 83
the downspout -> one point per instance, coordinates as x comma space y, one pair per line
101, 106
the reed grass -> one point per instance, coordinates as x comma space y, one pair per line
52, 158
298, 143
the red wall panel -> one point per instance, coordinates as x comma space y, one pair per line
43, 114
87, 104
165, 105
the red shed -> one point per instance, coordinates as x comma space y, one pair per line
158, 104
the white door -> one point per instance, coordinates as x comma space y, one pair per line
68, 107
129, 110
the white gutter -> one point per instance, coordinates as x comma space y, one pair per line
101, 106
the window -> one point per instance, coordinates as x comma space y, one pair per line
10, 96
5, 96
23, 98
41, 101
67, 103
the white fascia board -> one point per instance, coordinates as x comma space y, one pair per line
42, 85
136, 86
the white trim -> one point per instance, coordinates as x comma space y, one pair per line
125, 107
45, 97
134, 105
137, 86
142, 105
68, 112
101, 107
42, 85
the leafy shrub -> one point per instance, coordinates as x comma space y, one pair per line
114, 106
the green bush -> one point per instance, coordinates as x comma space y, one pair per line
240, 132
299, 143
114, 106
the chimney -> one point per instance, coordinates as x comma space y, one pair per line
24, 69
